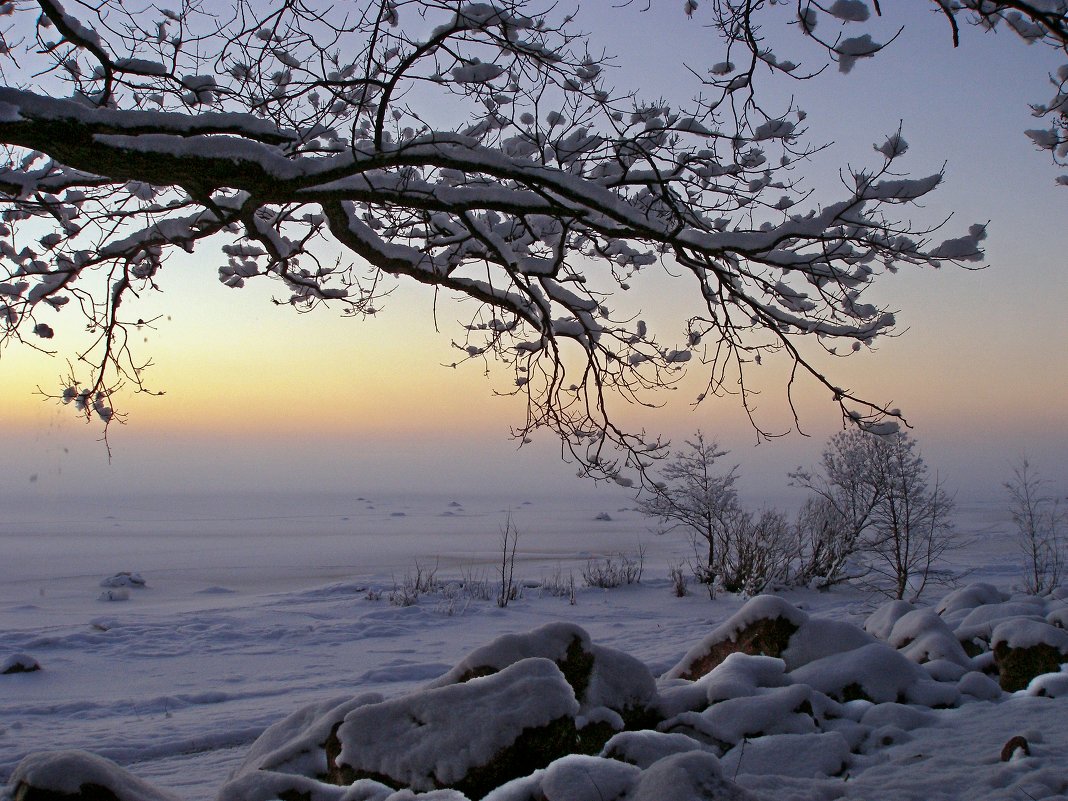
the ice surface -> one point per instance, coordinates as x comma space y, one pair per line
176, 683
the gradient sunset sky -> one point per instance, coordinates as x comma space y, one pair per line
258, 397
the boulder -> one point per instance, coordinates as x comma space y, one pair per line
769, 626
601, 678
976, 629
763, 626
964, 599
472, 737
124, 579
19, 663
881, 622
686, 776
923, 636
692, 776
877, 673
793, 709
1026, 648
78, 776
300, 743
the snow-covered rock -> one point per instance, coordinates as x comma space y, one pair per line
602, 678
643, 748
783, 710
687, 776
966, 598
472, 736
768, 625
977, 627
78, 776
298, 743
979, 685
124, 579
923, 636
875, 672
1049, 685
881, 622
1025, 648
19, 663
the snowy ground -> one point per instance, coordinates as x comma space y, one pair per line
255, 607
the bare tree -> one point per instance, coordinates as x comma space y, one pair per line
508, 589
476, 148
693, 496
1038, 520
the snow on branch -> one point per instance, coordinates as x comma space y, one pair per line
473, 147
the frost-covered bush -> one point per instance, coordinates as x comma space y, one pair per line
884, 508
755, 551
614, 571
1039, 522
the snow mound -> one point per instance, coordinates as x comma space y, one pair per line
797, 755
1027, 633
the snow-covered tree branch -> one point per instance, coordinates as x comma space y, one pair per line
474, 147
840, 29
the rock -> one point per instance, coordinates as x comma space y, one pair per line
968, 598
265, 785
689, 776
1014, 745
19, 663
643, 748
472, 737
693, 776
977, 628
794, 709
877, 673
881, 622
124, 579
1026, 648
78, 776
600, 677
763, 626
769, 626
979, 685
923, 636
301, 743
565, 644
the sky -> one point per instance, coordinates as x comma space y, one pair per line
258, 397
